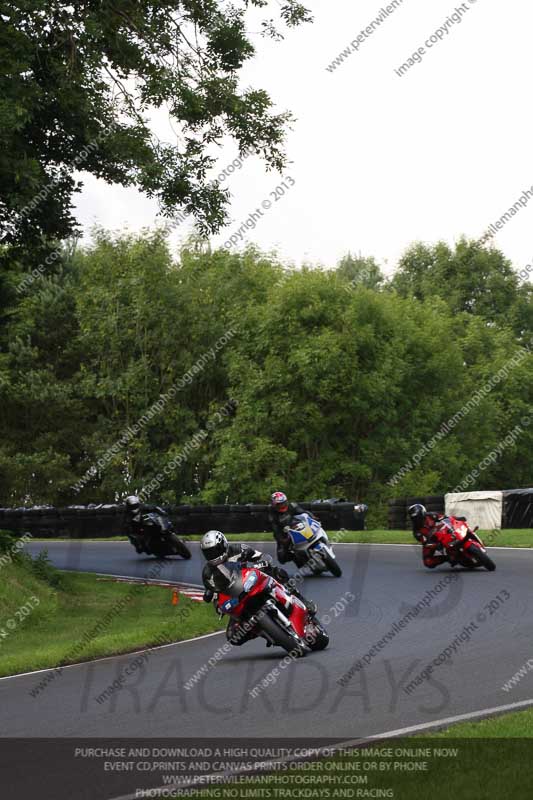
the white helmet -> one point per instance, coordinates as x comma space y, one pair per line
215, 547
133, 503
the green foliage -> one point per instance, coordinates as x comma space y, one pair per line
43, 569
335, 383
7, 541
80, 83
360, 271
324, 383
471, 278
39, 566
66, 625
336, 378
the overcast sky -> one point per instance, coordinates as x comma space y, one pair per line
378, 160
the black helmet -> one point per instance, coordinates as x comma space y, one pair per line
133, 504
215, 547
417, 512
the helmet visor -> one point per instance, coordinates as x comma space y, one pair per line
215, 553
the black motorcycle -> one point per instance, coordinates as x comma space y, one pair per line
157, 537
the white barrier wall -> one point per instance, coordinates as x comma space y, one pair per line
484, 509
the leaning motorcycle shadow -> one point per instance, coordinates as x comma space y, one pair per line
269, 655
458, 570
314, 575
158, 560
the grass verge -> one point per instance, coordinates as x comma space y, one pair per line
497, 538
485, 760
72, 617
518, 725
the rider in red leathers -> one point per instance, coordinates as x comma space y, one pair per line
425, 526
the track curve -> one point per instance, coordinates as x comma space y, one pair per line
387, 581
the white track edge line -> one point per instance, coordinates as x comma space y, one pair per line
109, 658
354, 742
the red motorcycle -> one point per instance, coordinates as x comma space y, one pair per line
263, 607
462, 545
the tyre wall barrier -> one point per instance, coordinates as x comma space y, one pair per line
518, 508
397, 516
81, 522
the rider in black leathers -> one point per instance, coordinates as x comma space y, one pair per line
217, 551
133, 519
281, 515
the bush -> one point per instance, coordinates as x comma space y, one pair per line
7, 541
43, 569
40, 566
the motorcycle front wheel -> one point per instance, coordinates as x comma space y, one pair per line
157, 548
317, 639
332, 565
180, 548
280, 636
483, 559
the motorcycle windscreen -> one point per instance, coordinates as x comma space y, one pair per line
156, 520
228, 579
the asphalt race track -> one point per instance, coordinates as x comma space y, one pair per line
307, 698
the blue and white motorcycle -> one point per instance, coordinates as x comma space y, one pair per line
311, 545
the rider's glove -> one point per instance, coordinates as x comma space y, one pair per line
247, 554
208, 595
280, 574
262, 564
287, 541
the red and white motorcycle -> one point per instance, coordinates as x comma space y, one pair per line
263, 607
461, 544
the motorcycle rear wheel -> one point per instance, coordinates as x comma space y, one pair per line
280, 636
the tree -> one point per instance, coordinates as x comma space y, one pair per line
360, 271
149, 323
41, 416
471, 278
80, 81
329, 392
338, 393
325, 386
